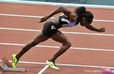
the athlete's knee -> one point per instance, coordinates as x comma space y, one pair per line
67, 44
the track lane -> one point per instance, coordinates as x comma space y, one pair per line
79, 57
32, 23
86, 41
30, 9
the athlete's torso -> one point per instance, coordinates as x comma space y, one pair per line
62, 21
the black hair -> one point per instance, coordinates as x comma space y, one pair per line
89, 16
80, 12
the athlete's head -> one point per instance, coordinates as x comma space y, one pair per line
87, 18
84, 17
80, 11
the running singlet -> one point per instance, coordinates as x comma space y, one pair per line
65, 22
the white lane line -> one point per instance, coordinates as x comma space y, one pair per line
58, 4
43, 69
82, 33
31, 16
67, 65
74, 48
21, 15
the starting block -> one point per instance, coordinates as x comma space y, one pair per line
8, 67
107, 70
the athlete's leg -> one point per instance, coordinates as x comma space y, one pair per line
39, 38
60, 37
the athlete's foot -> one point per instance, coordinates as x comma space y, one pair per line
52, 65
14, 60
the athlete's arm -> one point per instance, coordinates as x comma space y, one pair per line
58, 10
90, 27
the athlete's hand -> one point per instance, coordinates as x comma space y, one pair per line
43, 19
101, 30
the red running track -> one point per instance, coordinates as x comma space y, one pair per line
41, 54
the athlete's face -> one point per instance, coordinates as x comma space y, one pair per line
84, 22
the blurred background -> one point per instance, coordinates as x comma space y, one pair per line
93, 2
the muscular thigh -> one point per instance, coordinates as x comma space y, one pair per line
60, 37
40, 37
